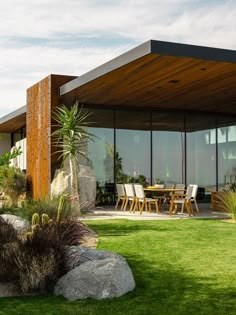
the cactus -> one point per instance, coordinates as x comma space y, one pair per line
45, 218
61, 206
35, 219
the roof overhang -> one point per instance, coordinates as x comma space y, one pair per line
13, 121
161, 75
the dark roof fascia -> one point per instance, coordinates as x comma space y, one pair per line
131, 55
152, 47
193, 51
12, 115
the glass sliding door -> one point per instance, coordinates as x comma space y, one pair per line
226, 156
133, 147
168, 148
201, 153
101, 154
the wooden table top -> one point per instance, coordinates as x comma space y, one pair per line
154, 188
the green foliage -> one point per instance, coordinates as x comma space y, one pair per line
35, 219
227, 202
12, 182
71, 135
232, 187
36, 262
49, 206
6, 157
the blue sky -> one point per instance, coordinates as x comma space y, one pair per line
71, 37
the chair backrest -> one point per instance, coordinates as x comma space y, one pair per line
180, 187
169, 186
194, 191
129, 189
139, 192
120, 190
189, 192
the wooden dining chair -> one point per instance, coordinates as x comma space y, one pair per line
130, 196
184, 200
141, 200
121, 196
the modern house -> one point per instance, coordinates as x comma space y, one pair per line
163, 110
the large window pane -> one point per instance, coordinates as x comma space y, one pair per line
201, 152
101, 153
226, 156
168, 148
133, 147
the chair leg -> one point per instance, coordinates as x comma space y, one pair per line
182, 209
135, 205
143, 204
132, 204
123, 203
126, 203
196, 206
118, 200
157, 207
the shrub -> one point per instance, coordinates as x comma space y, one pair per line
49, 206
12, 182
36, 262
8, 249
228, 203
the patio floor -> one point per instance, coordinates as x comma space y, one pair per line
108, 212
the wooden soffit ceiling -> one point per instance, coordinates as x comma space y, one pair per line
13, 121
161, 75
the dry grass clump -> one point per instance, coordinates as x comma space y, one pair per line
36, 261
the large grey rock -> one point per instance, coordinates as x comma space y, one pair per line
60, 183
97, 279
20, 225
77, 255
86, 180
87, 186
9, 289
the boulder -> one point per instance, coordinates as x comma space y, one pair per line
87, 186
97, 279
8, 289
77, 255
86, 180
20, 225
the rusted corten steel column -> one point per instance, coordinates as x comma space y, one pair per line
42, 99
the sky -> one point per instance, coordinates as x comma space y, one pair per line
71, 37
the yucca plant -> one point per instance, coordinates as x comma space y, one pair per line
71, 138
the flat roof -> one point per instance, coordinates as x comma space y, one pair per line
13, 121
161, 75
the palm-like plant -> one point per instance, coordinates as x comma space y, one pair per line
71, 138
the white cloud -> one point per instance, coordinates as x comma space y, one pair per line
74, 36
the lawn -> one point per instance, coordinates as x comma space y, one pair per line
180, 267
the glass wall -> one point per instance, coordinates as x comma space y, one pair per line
201, 152
168, 148
147, 147
133, 147
101, 153
226, 156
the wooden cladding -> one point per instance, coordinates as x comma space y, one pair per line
164, 82
41, 99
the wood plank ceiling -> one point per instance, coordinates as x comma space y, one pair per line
164, 82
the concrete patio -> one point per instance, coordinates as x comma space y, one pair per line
106, 212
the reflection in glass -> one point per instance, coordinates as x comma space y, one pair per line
226, 156
201, 159
168, 157
133, 147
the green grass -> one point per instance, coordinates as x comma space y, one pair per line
180, 267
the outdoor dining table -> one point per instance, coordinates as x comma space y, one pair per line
163, 190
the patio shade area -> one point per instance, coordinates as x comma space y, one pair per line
161, 75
